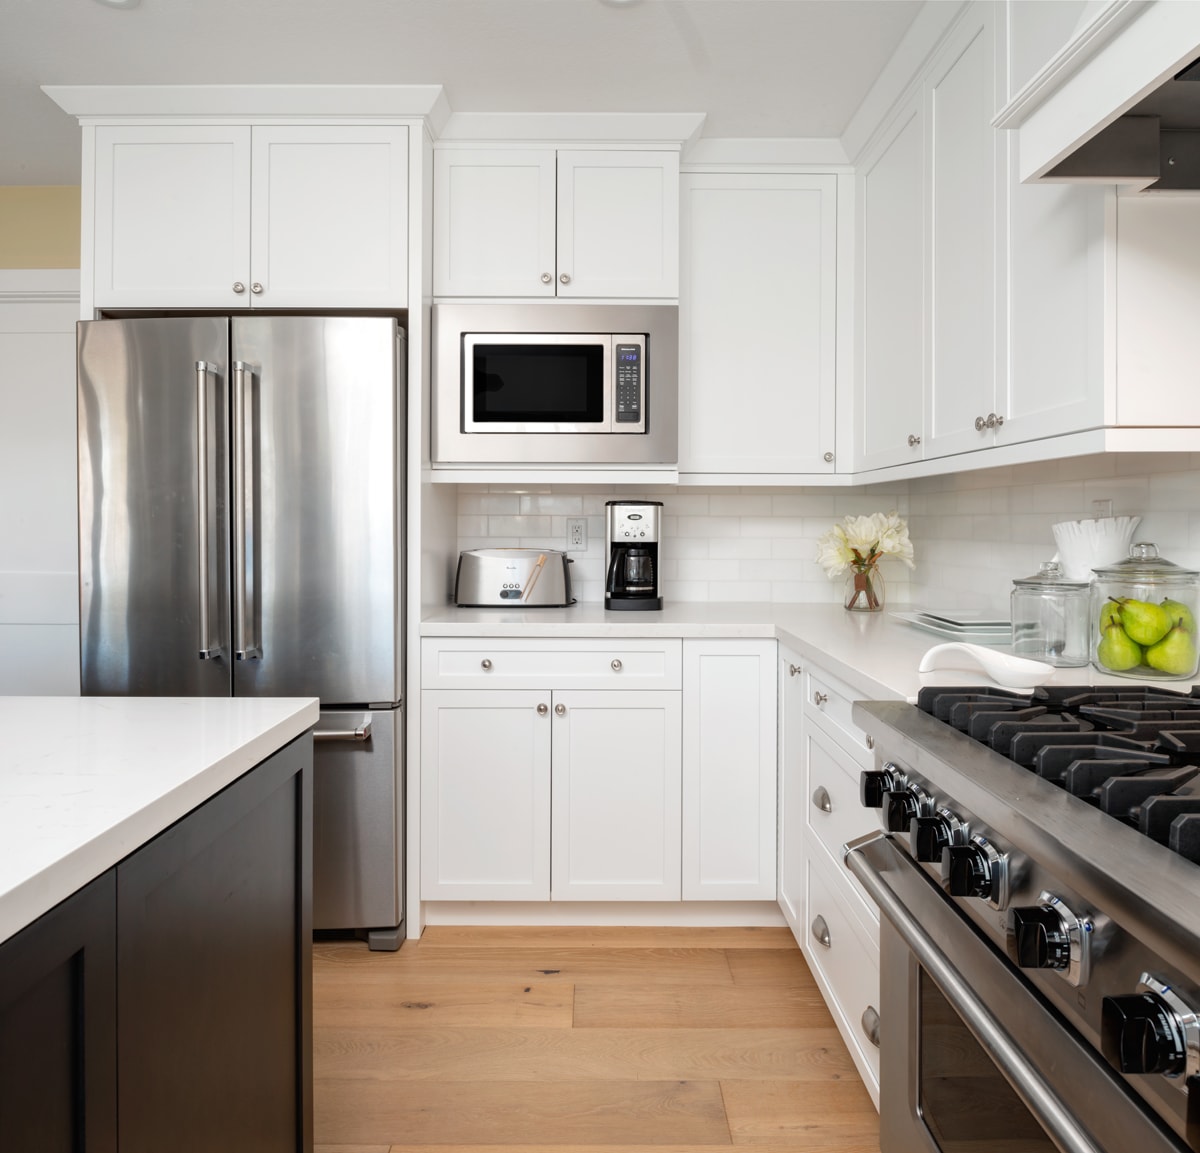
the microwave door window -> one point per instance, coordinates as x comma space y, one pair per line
533, 385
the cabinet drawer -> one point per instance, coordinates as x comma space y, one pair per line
830, 701
583, 664
843, 954
835, 813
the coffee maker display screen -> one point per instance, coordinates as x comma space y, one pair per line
538, 383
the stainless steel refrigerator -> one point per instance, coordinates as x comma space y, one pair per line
241, 500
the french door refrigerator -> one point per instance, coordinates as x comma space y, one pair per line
241, 497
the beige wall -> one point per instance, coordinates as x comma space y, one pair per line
39, 226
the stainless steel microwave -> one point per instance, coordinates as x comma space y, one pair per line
555, 384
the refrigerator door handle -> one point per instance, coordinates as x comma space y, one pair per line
243, 649
360, 733
210, 647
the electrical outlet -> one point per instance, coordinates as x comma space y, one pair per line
576, 534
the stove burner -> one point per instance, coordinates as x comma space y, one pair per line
1132, 752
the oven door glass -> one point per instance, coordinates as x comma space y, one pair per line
552, 384
965, 1102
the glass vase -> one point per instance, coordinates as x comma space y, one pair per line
864, 591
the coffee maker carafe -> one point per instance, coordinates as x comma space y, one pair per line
631, 554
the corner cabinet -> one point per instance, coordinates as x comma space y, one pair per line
250, 216
730, 770
758, 325
547, 222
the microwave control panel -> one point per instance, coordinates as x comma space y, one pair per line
628, 409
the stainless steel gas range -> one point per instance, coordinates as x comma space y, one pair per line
1040, 929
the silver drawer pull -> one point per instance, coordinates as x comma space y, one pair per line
870, 1024
820, 698
820, 931
617, 666
870, 740
359, 734
793, 670
560, 710
542, 710
821, 799
486, 665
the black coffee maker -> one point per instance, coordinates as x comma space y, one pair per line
631, 554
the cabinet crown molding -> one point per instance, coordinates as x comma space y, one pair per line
251, 101
658, 129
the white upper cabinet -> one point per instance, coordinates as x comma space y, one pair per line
892, 221
543, 223
240, 216
758, 325
172, 216
966, 224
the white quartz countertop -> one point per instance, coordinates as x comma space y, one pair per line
84, 781
874, 653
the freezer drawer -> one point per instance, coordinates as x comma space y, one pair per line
358, 822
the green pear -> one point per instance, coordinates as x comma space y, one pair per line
1110, 614
1180, 614
1144, 623
1174, 654
1116, 651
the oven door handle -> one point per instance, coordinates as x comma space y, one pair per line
1029, 1084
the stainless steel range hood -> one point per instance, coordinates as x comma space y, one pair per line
1154, 147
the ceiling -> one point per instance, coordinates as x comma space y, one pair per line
756, 68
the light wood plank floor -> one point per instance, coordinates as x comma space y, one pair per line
584, 1040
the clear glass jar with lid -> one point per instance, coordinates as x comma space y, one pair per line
1144, 617
1050, 617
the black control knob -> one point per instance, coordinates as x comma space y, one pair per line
1037, 938
873, 786
930, 835
900, 806
966, 871
1141, 1033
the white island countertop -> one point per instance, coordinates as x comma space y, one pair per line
84, 781
874, 653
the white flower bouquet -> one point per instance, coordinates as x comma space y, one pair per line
856, 546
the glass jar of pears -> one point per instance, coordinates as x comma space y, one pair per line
1144, 613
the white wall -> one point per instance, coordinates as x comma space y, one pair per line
39, 600
719, 544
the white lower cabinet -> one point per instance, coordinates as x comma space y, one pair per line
569, 791
730, 753
834, 922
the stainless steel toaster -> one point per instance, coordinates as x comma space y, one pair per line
513, 578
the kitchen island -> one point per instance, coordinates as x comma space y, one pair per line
155, 914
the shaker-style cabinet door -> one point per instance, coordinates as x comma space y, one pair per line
758, 325
494, 222
618, 224
485, 795
730, 751
329, 217
615, 796
793, 803
172, 217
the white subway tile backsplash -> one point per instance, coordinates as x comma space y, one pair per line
972, 533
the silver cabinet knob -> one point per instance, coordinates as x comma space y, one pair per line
564, 279
793, 670
995, 420
828, 458
617, 666
821, 799
913, 440
238, 287
542, 710
547, 278
980, 423
256, 288
560, 710
869, 741
486, 665
820, 931
820, 698
870, 1024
